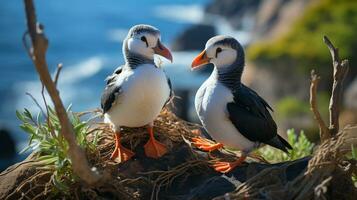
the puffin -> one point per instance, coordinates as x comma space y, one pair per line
232, 113
138, 90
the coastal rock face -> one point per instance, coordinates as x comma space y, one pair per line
193, 38
271, 18
233, 10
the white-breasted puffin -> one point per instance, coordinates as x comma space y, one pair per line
232, 113
137, 91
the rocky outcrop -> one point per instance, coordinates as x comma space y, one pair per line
193, 38
271, 18
275, 17
233, 10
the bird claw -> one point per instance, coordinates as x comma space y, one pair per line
121, 154
154, 149
224, 167
205, 145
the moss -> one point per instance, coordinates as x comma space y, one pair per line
302, 46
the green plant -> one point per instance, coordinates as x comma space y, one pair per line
301, 147
52, 149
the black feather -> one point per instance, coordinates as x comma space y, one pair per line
250, 115
111, 91
171, 91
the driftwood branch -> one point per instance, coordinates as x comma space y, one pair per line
340, 69
38, 56
324, 131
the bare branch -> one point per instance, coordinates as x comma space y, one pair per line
324, 131
58, 71
340, 69
40, 44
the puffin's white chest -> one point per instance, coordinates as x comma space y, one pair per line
144, 93
211, 106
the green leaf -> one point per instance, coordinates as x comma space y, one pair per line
28, 114
25, 149
47, 160
28, 128
79, 126
19, 116
95, 139
58, 183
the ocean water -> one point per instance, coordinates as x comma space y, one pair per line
86, 36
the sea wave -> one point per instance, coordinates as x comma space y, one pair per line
84, 69
69, 76
117, 35
192, 13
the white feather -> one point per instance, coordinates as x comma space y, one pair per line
144, 93
211, 106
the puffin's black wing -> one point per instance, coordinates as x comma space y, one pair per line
111, 91
250, 115
171, 91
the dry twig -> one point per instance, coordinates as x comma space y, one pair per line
38, 56
340, 69
324, 132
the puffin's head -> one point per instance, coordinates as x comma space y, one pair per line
222, 51
144, 40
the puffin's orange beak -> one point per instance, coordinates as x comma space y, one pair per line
200, 60
161, 50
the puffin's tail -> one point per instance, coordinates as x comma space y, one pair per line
279, 143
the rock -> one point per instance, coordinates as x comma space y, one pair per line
194, 38
17, 175
233, 10
271, 18
275, 17
7, 144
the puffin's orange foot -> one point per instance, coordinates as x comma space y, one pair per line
121, 154
225, 167
205, 145
154, 149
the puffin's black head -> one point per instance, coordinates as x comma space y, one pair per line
223, 51
144, 40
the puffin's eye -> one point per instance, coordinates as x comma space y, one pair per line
218, 50
143, 38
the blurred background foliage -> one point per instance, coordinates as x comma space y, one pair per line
302, 49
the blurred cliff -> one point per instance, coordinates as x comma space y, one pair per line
283, 46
